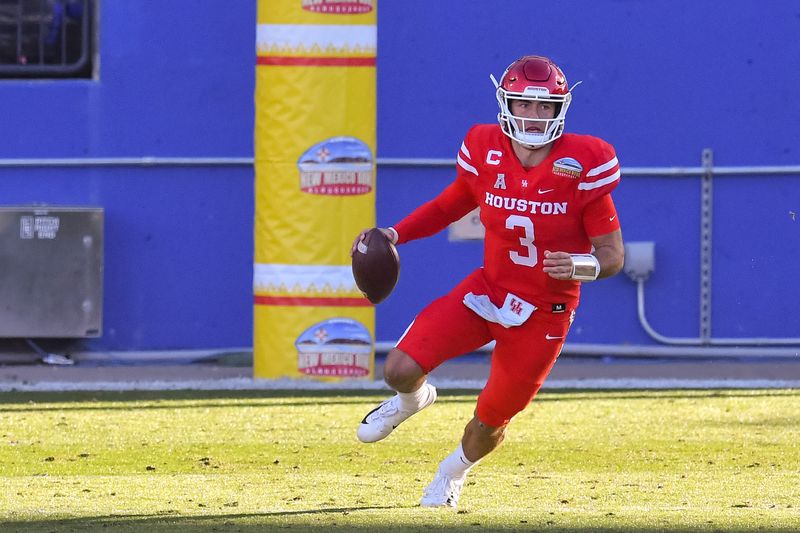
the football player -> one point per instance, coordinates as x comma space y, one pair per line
551, 225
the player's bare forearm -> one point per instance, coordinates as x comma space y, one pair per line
610, 253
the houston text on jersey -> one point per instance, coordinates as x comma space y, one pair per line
525, 206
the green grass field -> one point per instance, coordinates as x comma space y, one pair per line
637, 461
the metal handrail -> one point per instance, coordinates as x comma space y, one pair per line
145, 161
631, 171
153, 161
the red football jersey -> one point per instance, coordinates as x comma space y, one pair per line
557, 206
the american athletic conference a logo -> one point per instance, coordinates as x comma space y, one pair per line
338, 7
336, 166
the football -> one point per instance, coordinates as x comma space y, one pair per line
376, 266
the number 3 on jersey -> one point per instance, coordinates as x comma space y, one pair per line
517, 221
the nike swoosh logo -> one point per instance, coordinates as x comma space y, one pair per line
550, 337
611, 219
545, 191
367, 415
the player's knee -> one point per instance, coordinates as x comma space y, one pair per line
401, 372
496, 409
495, 414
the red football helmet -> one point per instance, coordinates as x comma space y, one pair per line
533, 78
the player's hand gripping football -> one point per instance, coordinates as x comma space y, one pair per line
558, 265
389, 235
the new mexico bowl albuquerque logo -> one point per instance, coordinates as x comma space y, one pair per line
334, 347
337, 166
568, 167
338, 7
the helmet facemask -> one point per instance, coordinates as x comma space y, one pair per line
516, 127
534, 79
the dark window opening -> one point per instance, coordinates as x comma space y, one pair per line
46, 38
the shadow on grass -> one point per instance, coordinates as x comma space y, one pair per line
330, 519
57, 401
200, 398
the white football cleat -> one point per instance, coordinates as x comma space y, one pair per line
387, 416
443, 491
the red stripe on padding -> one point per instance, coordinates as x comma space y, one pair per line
316, 61
311, 301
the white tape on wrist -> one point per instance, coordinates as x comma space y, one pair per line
585, 267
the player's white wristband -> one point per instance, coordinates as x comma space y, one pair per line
585, 267
395, 236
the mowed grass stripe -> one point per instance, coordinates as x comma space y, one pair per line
200, 461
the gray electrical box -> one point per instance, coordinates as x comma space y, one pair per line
51, 271
640, 259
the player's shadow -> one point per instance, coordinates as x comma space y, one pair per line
329, 519
329, 510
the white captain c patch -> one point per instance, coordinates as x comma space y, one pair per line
493, 157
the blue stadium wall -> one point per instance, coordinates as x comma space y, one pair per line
662, 80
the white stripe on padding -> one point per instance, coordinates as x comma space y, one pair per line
466, 166
596, 171
337, 277
306, 36
599, 183
464, 149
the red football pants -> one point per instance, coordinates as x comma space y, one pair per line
522, 357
